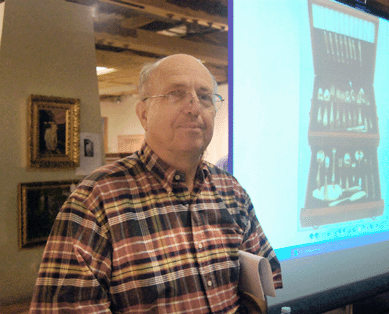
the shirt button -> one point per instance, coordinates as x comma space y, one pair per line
177, 177
209, 283
200, 246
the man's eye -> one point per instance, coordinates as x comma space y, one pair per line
206, 97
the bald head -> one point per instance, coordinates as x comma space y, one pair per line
163, 65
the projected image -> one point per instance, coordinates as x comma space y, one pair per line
310, 123
344, 182
309, 137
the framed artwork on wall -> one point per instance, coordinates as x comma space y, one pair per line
53, 132
39, 204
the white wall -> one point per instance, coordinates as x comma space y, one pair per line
47, 48
122, 119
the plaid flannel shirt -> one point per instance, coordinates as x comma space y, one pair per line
132, 239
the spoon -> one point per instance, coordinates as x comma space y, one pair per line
332, 120
340, 163
337, 119
337, 47
325, 117
332, 91
359, 157
320, 96
351, 49
320, 159
327, 166
353, 166
354, 197
354, 50
347, 164
333, 191
326, 42
345, 48
333, 165
366, 182
341, 48
332, 45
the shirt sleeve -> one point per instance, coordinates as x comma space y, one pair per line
74, 275
256, 242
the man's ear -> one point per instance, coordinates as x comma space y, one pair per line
141, 112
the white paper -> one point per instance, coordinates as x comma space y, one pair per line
90, 153
256, 276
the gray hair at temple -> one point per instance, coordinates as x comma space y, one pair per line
148, 68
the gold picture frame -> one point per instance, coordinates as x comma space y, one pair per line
38, 205
53, 132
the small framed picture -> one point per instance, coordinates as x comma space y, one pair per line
39, 204
53, 132
88, 148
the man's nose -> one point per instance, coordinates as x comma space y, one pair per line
194, 105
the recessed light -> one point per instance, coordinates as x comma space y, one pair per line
104, 70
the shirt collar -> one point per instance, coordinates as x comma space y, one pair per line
166, 174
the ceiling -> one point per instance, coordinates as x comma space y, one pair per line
130, 33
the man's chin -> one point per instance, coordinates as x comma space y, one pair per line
194, 147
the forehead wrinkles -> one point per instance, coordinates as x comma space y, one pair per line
168, 74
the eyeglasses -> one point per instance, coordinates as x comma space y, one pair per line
180, 98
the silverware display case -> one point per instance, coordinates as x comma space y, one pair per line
343, 182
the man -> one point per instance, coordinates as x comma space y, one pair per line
158, 231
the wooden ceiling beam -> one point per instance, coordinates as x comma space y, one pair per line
154, 43
220, 74
164, 9
380, 5
128, 66
136, 22
122, 61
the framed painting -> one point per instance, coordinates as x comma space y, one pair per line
39, 204
53, 132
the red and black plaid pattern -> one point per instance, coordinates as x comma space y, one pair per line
132, 239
